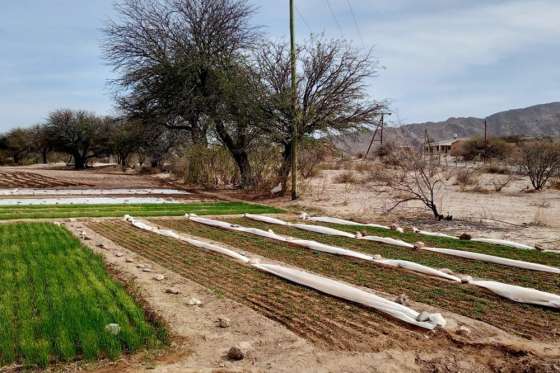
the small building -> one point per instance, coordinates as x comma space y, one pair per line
443, 146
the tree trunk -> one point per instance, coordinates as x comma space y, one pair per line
80, 162
285, 168
240, 156
44, 155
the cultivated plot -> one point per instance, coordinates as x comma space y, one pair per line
525, 320
58, 304
175, 209
21, 179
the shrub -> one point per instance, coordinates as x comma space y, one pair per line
476, 148
347, 177
207, 166
466, 177
540, 161
312, 153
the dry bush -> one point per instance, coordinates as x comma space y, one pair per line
206, 166
347, 177
555, 183
365, 166
496, 169
421, 178
312, 153
466, 177
500, 183
540, 160
477, 148
265, 163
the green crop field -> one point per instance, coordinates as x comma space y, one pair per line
56, 300
82, 211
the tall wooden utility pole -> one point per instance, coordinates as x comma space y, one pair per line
294, 102
379, 128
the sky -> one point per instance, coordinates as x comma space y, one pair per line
437, 58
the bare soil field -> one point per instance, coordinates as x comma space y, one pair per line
60, 176
514, 213
20, 179
358, 339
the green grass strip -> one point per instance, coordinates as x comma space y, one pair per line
95, 211
56, 299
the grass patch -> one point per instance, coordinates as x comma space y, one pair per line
56, 299
97, 211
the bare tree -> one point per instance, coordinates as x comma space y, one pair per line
420, 178
17, 144
169, 54
125, 139
331, 88
540, 160
80, 134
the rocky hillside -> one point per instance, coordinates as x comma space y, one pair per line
538, 120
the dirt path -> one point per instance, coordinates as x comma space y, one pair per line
338, 336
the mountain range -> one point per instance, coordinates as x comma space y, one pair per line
533, 121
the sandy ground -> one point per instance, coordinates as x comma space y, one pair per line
513, 213
200, 345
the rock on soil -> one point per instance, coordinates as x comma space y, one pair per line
224, 322
235, 354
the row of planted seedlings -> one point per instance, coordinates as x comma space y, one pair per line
525, 320
325, 320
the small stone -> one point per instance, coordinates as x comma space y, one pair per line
119, 255
423, 316
465, 279
159, 277
403, 299
394, 226
146, 270
224, 322
464, 331
465, 236
419, 245
192, 301
128, 260
539, 247
100, 245
114, 329
235, 354
447, 270
172, 291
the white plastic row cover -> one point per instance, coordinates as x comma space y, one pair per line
323, 284
326, 219
512, 292
317, 246
395, 242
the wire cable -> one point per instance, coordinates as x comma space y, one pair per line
335, 19
356, 23
303, 19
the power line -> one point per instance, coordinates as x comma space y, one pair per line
356, 23
303, 19
335, 19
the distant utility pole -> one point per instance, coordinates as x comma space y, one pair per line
294, 101
485, 140
379, 128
